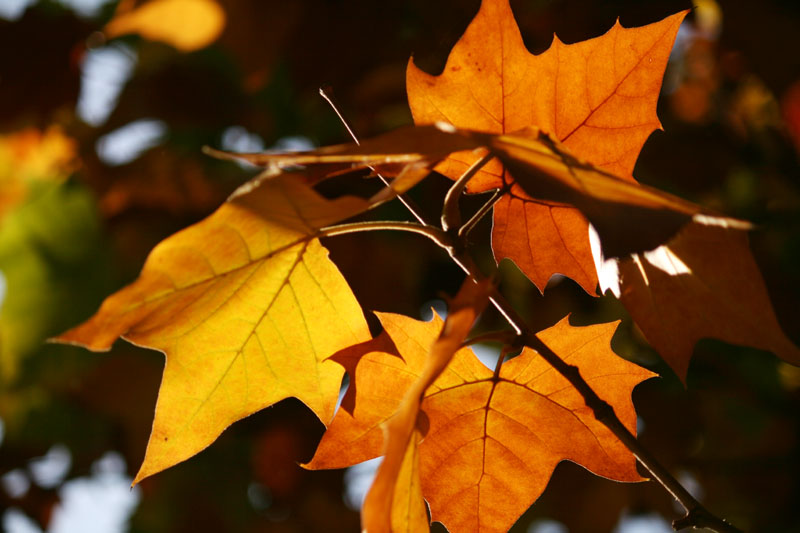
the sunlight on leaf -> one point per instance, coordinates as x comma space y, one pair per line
702, 283
394, 503
246, 306
489, 445
598, 97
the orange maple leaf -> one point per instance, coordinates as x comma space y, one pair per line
490, 444
598, 97
629, 217
394, 502
246, 306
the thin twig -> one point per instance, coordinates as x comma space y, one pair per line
326, 91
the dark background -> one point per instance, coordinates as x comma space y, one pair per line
731, 114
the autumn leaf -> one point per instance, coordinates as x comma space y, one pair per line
598, 97
407, 507
627, 216
403, 146
246, 306
185, 24
702, 283
394, 502
490, 444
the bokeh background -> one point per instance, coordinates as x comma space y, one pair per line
101, 127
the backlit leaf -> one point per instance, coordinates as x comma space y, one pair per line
394, 502
702, 283
246, 306
628, 217
421, 144
598, 97
490, 445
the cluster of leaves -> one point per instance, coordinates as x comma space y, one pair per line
249, 310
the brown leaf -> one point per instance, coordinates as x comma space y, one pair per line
702, 283
426, 144
629, 217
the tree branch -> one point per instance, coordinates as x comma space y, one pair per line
697, 516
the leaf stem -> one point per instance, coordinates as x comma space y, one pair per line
696, 515
451, 213
468, 226
326, 91
500, 359
431, 232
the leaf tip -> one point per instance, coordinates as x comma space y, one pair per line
218, 154
75, 337
138, 479
721, 221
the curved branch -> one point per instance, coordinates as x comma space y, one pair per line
431, 232
451, 213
